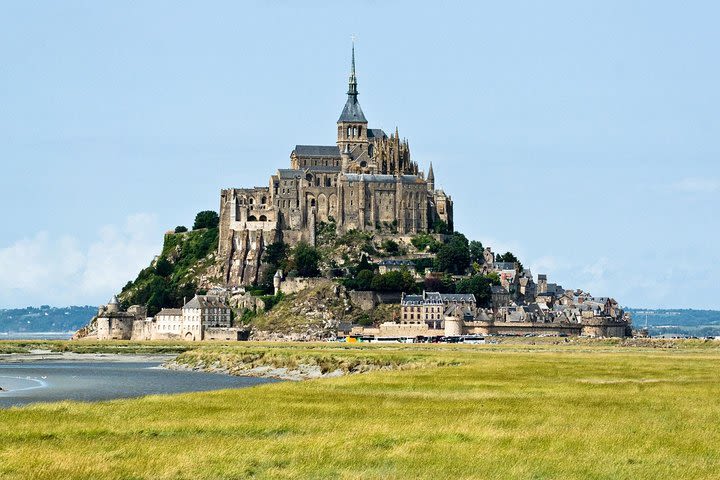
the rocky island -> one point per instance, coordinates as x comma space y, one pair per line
352, 240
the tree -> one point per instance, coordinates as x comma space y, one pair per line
390, 246
480, 286
476, 252
180, 229
364, 279
395, 281
440, 227
454, 256
163, 267
206, 219
510, 258
306, 259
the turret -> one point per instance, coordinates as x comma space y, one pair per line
277, 280
113, 305
431, 179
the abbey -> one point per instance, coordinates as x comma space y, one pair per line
366, 181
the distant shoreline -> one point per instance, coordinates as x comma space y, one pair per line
47, 355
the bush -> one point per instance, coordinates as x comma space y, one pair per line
390, 246
424, 241
163, 267
396, 281
454, 256
206, 219
479, 285
306, 259
181, 229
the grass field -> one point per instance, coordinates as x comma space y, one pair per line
496, 411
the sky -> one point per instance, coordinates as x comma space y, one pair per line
582, 136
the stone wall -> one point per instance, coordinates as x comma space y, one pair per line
294, 285
225, 334
366, 300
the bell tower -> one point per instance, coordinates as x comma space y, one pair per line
352, 125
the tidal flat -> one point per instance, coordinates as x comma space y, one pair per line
550, 410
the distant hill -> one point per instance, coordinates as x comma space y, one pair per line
45, 318
700, 323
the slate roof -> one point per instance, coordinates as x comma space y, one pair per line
368, 177
376, 133
289, 173
324, 168
317, 151
436, 298
205, 301
352, 111
169, 312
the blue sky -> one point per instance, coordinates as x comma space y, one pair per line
583, 136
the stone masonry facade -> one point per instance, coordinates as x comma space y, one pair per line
366, 181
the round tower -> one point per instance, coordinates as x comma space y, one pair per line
277, 280
113, 305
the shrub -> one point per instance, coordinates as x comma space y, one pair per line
181, 229
206, 219
306, 259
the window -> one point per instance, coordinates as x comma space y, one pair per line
349, 131
354, 131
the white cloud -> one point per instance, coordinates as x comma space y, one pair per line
697, 185
45, 269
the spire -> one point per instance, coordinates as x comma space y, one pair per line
352, 111
352, 84
431, 179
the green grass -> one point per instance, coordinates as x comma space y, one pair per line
588, 410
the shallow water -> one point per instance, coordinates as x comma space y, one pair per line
93, 381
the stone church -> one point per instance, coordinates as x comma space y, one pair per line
366, 181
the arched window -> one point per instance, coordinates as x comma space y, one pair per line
252, 218
312, 202
251, 201
354, 131
360, 131
263, 201
349, 131
263, 218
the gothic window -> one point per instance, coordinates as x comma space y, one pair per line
251, 201
312, 202
263, 201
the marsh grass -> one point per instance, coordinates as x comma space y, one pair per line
496, 411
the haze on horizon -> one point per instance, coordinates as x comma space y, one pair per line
581, 137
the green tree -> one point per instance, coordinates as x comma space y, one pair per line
510, 258
390, 246
480, 286
306, 259
395, 281
439, 226
476, 252
454, 256
363, 280
180, 229
163, 267
206, 219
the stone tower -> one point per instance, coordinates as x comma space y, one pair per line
352, 124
